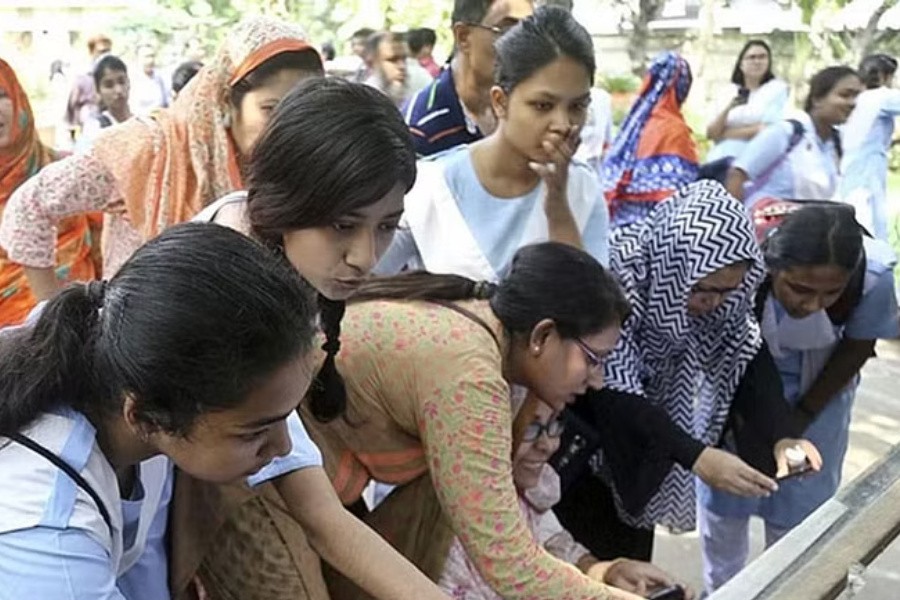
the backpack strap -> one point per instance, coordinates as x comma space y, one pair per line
68, 470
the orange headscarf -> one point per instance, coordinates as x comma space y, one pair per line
20, 158
171, 165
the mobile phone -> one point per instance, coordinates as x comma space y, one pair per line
797, 471
675, 592
743, 95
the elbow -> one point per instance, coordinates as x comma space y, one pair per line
713, 133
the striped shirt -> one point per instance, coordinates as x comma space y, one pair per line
436, 118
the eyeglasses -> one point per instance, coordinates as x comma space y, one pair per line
702, 290
553, 429
495, 29
595, 361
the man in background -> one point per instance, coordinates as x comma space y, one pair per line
149, 90
387, 55
421, 44
82, 103
456, 108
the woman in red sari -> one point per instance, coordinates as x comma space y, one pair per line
22, 155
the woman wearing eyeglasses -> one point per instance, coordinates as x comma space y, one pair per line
690, 272
435, 368
539, 427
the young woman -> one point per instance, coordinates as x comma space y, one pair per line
111, 381
22, 155
867, 138
690, 272
474, 206
537, 428
829, 297
113, 88
759, 101
654, 152
154, 172
799, 159
326, 185
435, 367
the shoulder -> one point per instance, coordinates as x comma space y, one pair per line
228, 210
44, 498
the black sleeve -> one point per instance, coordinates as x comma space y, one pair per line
639, 443
759, 414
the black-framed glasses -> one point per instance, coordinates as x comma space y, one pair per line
553, 429
704, 290
595, 361
497, 30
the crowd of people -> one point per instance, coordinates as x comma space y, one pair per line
384, 328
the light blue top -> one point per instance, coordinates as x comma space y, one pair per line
867, 138
875, 317
60, 562
765, 105
808, 172
497, 224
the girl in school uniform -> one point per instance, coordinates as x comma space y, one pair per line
829, 296
112, 383
867, 138
472, 207
799, 158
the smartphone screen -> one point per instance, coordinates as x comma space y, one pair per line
676, 592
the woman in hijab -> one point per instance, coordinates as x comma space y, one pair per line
153, 172
690, 272
21, 156
654, 153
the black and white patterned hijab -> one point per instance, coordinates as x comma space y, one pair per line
691, 366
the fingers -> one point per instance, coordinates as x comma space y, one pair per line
782, 465
757, 484
812, 454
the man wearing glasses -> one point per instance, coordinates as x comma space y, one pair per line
456, 108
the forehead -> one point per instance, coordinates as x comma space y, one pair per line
755, 50
730, 276
564, 78
508, 10
817, 276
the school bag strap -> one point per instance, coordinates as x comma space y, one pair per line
68, 470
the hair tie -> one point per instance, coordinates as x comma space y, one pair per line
96, 292
483, 290
331, 346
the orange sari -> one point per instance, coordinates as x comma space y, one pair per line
149, 173
21, 157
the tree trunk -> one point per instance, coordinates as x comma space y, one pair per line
865, 40
647, 10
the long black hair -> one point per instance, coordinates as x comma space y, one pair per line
191, 323
331, 147
549, 280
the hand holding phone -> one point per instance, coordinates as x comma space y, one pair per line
742, 97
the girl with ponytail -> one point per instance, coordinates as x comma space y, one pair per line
326, 182
113, 382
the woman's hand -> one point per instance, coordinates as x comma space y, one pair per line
726, 472
635, 576
561, 225
560, 149
781, 448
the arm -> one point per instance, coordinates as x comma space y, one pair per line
74, 185
465, 425
875, 317
744, 132
735, 182
716, 128
843, 365
759, 158
561, 225
347, 544
65, 564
